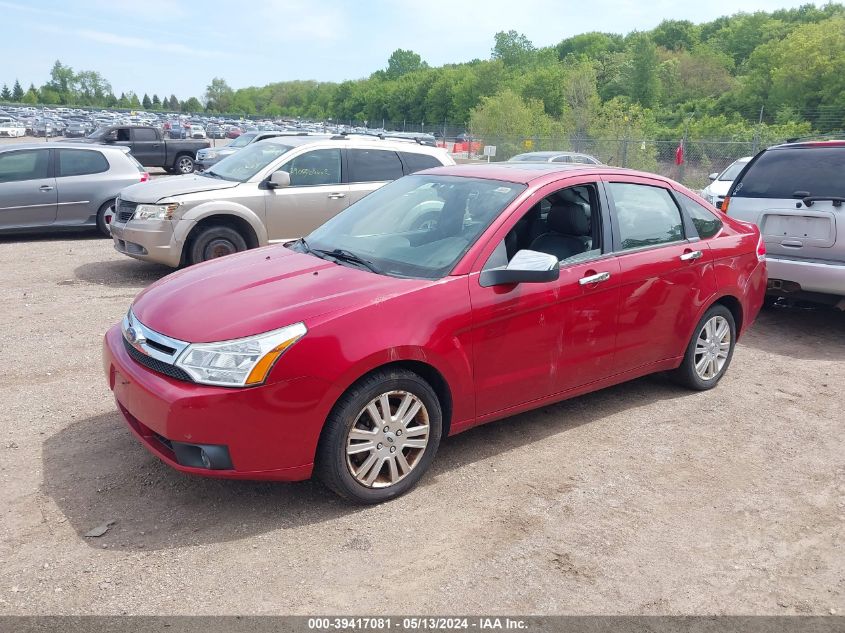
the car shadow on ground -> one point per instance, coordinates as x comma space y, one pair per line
127, 273
96, 471
807, 333
57, 236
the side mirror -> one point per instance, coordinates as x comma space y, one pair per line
714, 175
526, 267
278, 180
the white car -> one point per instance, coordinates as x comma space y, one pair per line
718, 188
197, 131
13, 129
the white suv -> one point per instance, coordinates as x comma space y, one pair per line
270, 191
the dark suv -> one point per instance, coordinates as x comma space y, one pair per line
795, 194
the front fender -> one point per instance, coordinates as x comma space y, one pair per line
220, 208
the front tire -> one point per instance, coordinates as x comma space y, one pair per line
216, 241
184, 165
381, 437
710, 350
105, 216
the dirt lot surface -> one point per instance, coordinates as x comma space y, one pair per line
641, 499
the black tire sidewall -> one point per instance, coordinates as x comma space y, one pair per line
102, 227
206, 235
686, 372
179, 159
331, 459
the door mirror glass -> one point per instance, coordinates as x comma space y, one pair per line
279, 179
525, 267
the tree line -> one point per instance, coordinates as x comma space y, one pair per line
763, 75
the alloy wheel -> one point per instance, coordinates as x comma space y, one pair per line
388, 439
712, 348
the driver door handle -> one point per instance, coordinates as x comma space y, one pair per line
686, 257
594, 279
45, 188
336, 196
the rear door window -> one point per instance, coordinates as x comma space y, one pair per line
706, 223
24, 165
780, 173
81, 162
417, 162
645, 215
145, 134
373, 165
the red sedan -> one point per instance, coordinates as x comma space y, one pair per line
443, 300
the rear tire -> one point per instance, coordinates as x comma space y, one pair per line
105, 216
709, 351
215, 241
184, 165
343, 461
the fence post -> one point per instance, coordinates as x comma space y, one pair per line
682, 167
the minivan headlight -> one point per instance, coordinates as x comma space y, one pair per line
242, 362
155, 211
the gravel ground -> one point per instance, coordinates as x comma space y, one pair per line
640, 499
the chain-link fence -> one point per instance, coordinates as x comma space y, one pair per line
691, 166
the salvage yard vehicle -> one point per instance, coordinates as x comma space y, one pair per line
795, 194
270, 191
12, 129
720, 183
555, 157
212, 155
62, 185
350, 353
148, 145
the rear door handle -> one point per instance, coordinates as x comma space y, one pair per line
686, 257
594, 279
45, 188
336, 196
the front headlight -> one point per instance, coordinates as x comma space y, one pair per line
210, 154
155, 211
240, 363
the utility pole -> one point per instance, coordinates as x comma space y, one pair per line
755, 147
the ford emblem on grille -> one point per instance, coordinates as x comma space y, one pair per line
134, 337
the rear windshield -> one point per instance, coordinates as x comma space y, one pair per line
733, 171
779, 173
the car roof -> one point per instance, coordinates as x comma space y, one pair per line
527, 173
548, 153
809, 144
374, 142
65, 145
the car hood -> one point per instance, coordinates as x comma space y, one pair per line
258, 291
170, 186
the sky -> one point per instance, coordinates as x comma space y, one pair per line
173, 47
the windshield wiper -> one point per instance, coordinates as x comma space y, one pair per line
346, 256
209, 174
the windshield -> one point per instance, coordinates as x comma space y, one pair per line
417, 226
98, 133
243, 165
733, 171
242, 141
527, 158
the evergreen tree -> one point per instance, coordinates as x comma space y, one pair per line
156, 103
146, 102
5, 93
17, 92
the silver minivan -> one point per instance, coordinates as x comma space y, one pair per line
270, 191
60, 186
795, 194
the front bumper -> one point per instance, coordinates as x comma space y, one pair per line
268, 432
149, 241
812, 275
205, 163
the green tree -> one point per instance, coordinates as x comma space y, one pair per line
62, 84
506, 120
5, 93
218, 95
174, 105
146, 102
641, 77
592, 45
31, 96
582, 99
401, 62
17, 92
123, 102
156, 102
192, 105
676, 34
514, 49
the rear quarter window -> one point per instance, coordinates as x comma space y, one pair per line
81, 162
418, 162
779, 173
706, 223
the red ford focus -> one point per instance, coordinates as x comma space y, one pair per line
439, 302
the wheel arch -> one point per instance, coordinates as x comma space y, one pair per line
735, 306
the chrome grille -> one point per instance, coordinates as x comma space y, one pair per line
125, 210
151, 349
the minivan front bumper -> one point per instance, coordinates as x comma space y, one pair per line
811, 275
150, 241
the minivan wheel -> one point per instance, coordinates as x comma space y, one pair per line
381, 437
184, 165
105, 216
216, 241
710, 350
